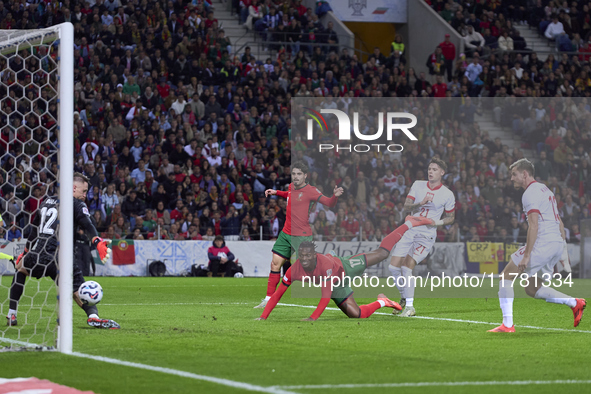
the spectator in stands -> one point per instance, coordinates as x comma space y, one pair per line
474, 41
543, 167
132, 207
474, 70
449, 53
554, 29
220, 258
230, 224
13, 234
505, 42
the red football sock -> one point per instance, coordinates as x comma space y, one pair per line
274, 278
392, 239
369, 309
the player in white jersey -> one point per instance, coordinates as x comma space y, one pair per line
427, 199
544, 247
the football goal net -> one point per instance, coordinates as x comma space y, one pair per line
36, 161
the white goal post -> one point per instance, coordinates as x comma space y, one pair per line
62, 36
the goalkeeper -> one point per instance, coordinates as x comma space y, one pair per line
40, 260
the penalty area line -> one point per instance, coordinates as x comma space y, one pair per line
451, 320
435, 384
170, 371
181, 304
184, 374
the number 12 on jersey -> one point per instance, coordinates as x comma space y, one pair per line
48, 216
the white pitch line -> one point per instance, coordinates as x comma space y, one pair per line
181, 303
434, 384
21, 343
170, 371
451, 320
192, 286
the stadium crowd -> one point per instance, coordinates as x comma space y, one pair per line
180, 136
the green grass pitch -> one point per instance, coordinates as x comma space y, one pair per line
206, 326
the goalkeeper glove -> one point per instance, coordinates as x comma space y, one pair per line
19, 258
102, 247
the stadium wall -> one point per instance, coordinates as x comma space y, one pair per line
424, 31
132, 258
379, 35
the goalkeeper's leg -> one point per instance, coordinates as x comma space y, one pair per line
16, 291
91, 310
17, 286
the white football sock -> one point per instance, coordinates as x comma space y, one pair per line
267, 298
409, 289
11, 312
93, 316
554, 296
396, 273
382, 303
506, 296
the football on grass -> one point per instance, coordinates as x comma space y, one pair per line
90, 292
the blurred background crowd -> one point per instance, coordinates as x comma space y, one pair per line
180, 135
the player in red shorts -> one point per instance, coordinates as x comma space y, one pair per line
300, 197
315, 265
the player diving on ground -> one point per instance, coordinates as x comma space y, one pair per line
324, 267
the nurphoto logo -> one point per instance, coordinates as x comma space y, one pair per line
345, 130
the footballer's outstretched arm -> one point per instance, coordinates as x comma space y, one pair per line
319, 309
331, 201
273, 192
326, 293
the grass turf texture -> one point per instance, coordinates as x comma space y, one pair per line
206, 326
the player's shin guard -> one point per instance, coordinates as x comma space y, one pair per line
368, 310
392, 239
90, 310
274, 279
396, 273
409, 288
16, 289
506, 296
554, 296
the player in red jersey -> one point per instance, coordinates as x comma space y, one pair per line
300, 196
325, 267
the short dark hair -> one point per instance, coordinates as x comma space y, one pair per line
440, 163
307, 245
218, 238
300, 165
